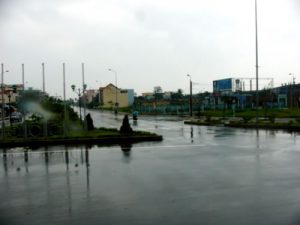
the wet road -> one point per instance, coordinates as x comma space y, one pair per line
197, 175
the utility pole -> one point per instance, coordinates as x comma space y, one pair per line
43, 73
45, 127
65, 106
256, 65
292, 89
78, 92
116, 84
191, 95
2, 97
23, 77
9, 108
24, 111
83, 97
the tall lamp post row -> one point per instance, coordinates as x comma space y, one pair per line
292, 89
191, 95
256, 64
9, 109
79, 92
2, 97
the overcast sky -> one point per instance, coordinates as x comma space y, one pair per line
148, 42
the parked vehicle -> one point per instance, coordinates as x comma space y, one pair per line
16, 117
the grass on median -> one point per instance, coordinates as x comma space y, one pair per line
277, 113
97, 133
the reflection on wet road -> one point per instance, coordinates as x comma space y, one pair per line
197, 175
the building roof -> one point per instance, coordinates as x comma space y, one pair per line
109, 85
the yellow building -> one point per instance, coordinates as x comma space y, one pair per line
148, 95
111, 96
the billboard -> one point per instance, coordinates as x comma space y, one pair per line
223, 85
227, 85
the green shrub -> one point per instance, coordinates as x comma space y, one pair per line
247, 118
207, 118
272, 117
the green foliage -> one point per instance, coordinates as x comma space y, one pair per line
277, 113
177, 95
125, 109
95, 103
247, 118
207, 118
56, 106
158, 96
35, 118
107, 129
272, 117
120, 109
14, 87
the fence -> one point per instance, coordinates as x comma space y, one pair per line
33, 130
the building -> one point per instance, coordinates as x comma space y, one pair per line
227, 86
111, 96
90, 95
231, 85
10, 93
148, 95
288, 95
167, 95
233, 90
130, 94
157, 91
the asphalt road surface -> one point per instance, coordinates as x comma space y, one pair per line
197, 175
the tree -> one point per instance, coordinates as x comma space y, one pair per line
94, 103
125, 128
158, 93
177, 95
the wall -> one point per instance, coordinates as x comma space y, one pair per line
108, 96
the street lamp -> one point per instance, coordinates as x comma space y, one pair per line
9, 108
23, 109
116, 77
98, 86
2, 96
293, 78
43, 76
80, 93
256, 64
292, 87
191, 93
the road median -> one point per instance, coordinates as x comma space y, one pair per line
109, 137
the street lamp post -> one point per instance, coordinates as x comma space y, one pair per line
233, 107
191, 93
84, 97
23, 109
98, 89
116, 83
293, 78
2, 96
256, 65
79, 92
43, 76
65, 103
292, 89
9, 108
